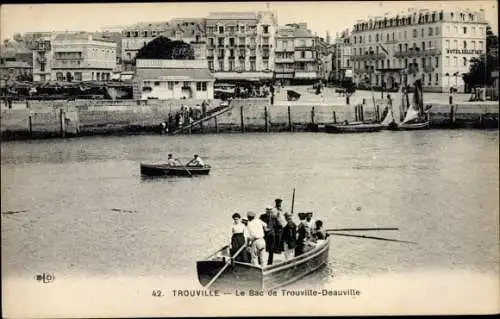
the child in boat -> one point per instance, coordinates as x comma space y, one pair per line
301, 235
319, 232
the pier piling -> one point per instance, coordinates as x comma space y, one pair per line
334, 118
266, 118
290, 127
242, 120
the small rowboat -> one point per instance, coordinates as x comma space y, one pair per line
408, 126
248, 276
166, 170
356, 127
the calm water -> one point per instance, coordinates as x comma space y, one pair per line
439, 187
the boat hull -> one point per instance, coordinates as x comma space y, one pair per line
409, 126
165, 170
247, 276
353, 128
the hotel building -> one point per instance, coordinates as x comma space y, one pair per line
73, 57
190, 30
440, 43
301, 56
240, 45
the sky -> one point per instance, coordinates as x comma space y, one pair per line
323, 16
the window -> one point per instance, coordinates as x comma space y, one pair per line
211, 65
473, 30
221, 41
455, 29
447, 29
430, 31
422, 32
447, 59
221, 30
231, 41
388, 37
481, 31
265, 29
465, 61
170, 85
423, 45
201, 86
376, 37
423, 62
406, 47
455, 44
465, 30
400, 47
404, 34
388, 64
429, 79
157, 83
465, 44
221, 65
370, 38
252, 66
415, 33
455, 61
436, 78
480, 44
382, 64
437, 62
429, 44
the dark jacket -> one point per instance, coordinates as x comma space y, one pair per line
273, 234
290, 234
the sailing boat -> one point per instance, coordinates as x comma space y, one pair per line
416, 117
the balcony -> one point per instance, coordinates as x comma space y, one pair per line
284, 60
368, 56
287, 70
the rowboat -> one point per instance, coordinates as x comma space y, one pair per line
408, 126
248, 276
166, 170
355, 127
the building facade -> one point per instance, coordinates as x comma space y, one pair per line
73, 57
172, 79
301, 56
190, 30
240, 45
440, 43
343, 51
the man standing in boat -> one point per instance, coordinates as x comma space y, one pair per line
171, 161
255, 232
289, 237
273, 234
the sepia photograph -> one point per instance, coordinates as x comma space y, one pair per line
295, 158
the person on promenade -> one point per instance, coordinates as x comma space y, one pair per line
289, 237
238, 237
196, 161
204, 106
255, 231
272, 235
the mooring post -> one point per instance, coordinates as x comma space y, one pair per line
241, 119
312, 115
452, 114
30, 124
266, 119
334, 118
62, 122
290, 127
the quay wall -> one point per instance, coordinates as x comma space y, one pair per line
43, 119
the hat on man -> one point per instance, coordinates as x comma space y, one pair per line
278, 200
309, 213
250, 214
269, 208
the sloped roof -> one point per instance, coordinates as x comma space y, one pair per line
174, 74
233, 15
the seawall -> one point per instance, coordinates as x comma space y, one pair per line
84, 118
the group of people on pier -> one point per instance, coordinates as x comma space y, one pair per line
184, 116
274, 232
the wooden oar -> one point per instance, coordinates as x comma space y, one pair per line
372, 237
225, 266
293, 201
184, 166
362, 229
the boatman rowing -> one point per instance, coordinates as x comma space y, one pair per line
196, 161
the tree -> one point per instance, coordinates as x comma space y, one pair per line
480, 69
166, 49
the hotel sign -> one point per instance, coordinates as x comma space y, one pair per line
464, 51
